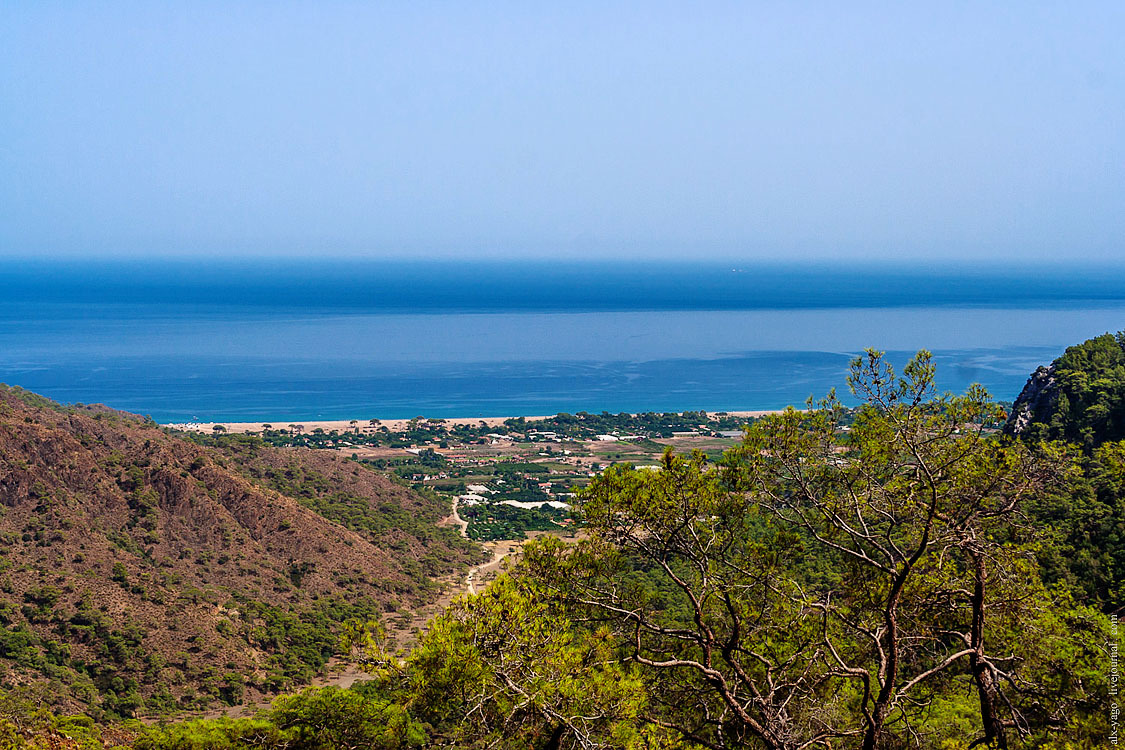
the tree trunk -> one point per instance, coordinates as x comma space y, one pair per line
555, 742
987, 689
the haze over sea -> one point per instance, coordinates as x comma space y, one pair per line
242, 341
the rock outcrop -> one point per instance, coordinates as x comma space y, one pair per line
1037, 398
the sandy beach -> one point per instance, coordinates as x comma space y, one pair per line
364, 425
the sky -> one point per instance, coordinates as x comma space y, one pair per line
793, 131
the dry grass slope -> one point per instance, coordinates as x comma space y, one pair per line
140, 572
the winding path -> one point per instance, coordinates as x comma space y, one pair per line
498, 555
456, 518
502, 550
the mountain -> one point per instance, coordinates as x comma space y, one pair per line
141, 572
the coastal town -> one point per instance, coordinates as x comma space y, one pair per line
503, 477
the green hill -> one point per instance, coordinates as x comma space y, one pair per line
1079, 398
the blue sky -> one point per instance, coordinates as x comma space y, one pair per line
637, 130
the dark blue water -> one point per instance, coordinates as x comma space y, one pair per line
226, 342
460, 286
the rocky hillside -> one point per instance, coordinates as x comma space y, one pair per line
142, 573
1079, 398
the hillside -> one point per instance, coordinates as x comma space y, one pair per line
691, 590
142, 573
1079, 398
384, 510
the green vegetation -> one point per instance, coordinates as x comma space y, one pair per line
30, 398
1084, 397
498, 521
142, 576
26, 724
430, 473
900, 575
300, 644
876, 587
880, 586
1081, 401
545, 451
295, 644
388, 523
584, 425
96, 411
421, 431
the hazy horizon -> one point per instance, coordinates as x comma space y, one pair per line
648, 131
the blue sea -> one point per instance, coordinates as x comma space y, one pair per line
277, 341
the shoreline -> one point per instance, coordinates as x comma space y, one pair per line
394, 425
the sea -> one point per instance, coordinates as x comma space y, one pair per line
262, 340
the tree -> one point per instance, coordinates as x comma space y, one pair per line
825, 585
330, 718
506, 669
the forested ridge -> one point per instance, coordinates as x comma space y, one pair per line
923, 572
1079, 400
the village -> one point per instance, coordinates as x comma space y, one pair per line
508, 483
506, 477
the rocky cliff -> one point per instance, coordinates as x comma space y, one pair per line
1037, 399
1080, 398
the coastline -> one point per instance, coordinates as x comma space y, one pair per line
394, 425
